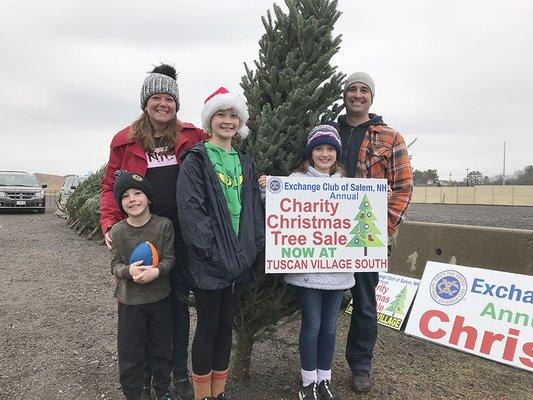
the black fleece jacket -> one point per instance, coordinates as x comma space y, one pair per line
218, 257
351, 138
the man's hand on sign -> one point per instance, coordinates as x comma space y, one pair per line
262, 181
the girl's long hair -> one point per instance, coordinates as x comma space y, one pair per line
142, 131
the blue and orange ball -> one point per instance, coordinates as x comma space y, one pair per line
146, 252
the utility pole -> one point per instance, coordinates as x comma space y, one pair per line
503, 175
450, 181
467, 177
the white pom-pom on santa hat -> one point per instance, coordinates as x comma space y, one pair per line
221, 99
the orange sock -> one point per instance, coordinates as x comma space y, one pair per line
218, 382
201, 385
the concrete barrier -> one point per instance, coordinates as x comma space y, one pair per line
503, 195
487, 195
449, 195
466, 195
500, 249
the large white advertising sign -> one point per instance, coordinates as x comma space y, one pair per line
479, 311
326, 225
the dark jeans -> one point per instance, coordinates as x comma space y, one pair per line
139, 326
320, 310
363, 325
179, 291
215, 310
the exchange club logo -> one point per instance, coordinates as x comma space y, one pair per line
448, 287
274, 185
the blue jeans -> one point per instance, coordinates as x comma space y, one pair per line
320, 310
363, 325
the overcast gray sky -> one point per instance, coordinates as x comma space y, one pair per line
455, 74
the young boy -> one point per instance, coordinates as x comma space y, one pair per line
142, 290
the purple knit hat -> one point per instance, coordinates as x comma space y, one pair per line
323, 134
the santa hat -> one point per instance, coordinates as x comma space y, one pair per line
224, 100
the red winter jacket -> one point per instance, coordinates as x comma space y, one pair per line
130, 156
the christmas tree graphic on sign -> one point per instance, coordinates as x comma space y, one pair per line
365, 232
397, 306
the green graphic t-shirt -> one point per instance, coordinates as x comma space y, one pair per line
229, 171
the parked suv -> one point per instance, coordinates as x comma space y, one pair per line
20, 190
70, 184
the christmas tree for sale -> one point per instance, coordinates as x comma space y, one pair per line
365, 232
293, 85
291, 88
397, 306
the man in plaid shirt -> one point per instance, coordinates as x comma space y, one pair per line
371, 150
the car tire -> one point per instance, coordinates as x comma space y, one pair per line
41, 210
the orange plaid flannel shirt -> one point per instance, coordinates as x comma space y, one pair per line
383, 154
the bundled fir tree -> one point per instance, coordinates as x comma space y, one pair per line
83, 206
292, 88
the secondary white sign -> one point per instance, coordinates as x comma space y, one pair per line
479, 311
394, 296
326, 225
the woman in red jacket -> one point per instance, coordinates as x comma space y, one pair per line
152, 147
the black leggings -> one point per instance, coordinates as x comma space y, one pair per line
139, 325
215, 309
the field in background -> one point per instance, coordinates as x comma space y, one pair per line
53, 182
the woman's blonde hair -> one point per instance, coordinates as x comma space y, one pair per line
143, 131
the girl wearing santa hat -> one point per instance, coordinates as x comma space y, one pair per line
220, 211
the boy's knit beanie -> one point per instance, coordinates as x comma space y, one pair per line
126, 180
323, 134
161, 80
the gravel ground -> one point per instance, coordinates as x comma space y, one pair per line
58, 327
496, 216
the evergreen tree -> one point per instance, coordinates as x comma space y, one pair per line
292, 88
83, 206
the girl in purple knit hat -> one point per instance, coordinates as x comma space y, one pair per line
319, 294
